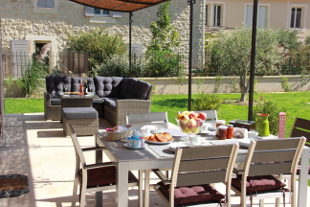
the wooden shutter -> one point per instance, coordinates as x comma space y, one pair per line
89, 11
19, 56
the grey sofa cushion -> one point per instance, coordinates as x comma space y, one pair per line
107, 86
56, 84
110, 102
80, 112
75, 83
134, 89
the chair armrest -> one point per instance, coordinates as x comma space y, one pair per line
93, 149
132, 105
47, 98
162, 176
98, 165
238, 171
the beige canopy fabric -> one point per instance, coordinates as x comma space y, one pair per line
119, 5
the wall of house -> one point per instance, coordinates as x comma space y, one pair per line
279, 13
21, 21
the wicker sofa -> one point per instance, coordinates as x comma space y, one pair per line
117, 96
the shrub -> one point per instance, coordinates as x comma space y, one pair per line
100, 45
268, 107
204, 101
163, 64
30, 76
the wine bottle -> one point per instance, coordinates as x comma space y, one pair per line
85, 87
81, 88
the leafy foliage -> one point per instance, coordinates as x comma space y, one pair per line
117, 65
164, 34
268, 107
100, 45
231, 54
203, 101
163, 64
30, 76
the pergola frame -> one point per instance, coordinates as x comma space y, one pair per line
135, 5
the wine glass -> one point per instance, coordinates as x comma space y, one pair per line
65, 88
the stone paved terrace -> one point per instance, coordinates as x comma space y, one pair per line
38, 148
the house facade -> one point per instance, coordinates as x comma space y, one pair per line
290, 15
27, 25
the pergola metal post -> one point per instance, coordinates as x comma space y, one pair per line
253, 53
190, 54
130, 22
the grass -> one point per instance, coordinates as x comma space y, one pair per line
295, 103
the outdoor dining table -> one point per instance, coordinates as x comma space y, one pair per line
159, 156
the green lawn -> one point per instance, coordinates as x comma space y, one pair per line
296, 104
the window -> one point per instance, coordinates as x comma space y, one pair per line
101, 15
217, 19
215, 14
45, 6
296, 18
262, 16
45, 3
101, 12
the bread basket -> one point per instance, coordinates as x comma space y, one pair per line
118, 135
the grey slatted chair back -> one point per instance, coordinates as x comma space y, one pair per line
203, 165
301, 127
137, 120
276, 156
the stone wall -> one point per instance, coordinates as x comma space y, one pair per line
164, 86
21, 22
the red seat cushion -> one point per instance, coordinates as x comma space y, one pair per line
192, 194
258, 183
103, 176
100, 176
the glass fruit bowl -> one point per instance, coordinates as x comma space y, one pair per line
190, 122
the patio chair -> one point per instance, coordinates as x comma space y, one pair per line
93, 177
140, 119
194, 169
301, 127
265, 160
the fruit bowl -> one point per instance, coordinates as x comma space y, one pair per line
190, 122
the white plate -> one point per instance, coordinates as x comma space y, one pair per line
154, 128
135, 148
173, 146
159, 143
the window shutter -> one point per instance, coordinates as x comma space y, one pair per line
262, 17
20, 57
249, 16
89, 11
116, 14
46, 3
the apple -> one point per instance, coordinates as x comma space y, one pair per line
183, 118
191, 123
199, 121
192, 115
202, 116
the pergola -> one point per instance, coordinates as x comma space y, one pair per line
134, 5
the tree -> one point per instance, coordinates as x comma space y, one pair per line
164, 35
231, 55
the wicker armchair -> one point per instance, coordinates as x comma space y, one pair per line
118, 116
51, 112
